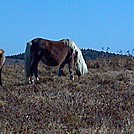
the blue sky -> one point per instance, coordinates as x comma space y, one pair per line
90, 24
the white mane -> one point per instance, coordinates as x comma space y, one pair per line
80, 63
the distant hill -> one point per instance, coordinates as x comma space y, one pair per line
88, 54
18, 56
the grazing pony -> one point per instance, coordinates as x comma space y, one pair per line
2, 61
53, 53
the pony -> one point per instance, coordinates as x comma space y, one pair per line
53, 53
2, 61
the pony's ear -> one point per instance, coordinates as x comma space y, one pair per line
2, 51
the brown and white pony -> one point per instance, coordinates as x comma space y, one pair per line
53, 53
2, 61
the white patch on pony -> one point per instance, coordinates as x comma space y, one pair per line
80, 63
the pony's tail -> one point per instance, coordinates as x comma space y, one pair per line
27, 58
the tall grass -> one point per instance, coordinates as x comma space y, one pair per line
100, 103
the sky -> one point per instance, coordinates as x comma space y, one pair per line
93, 24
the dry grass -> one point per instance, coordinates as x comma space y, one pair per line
100, 103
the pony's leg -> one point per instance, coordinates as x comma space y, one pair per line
61, 69
30, 78
33, 69
32, 72
36, 71
71, 65
78, 74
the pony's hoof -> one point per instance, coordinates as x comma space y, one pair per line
71, 78
37, 79
59, 74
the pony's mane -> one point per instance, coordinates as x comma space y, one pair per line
81, 66
71, 44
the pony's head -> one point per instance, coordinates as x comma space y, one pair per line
80, 64
1, 52
2, 58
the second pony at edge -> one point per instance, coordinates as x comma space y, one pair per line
53, 53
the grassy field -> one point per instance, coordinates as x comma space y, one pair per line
100, 103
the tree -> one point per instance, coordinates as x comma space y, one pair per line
128, 52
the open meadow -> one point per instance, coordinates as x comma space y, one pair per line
100, 103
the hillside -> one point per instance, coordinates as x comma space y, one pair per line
100, 103
88, 54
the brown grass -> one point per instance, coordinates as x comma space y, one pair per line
100, 103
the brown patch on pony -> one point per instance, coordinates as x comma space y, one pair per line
53, 51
